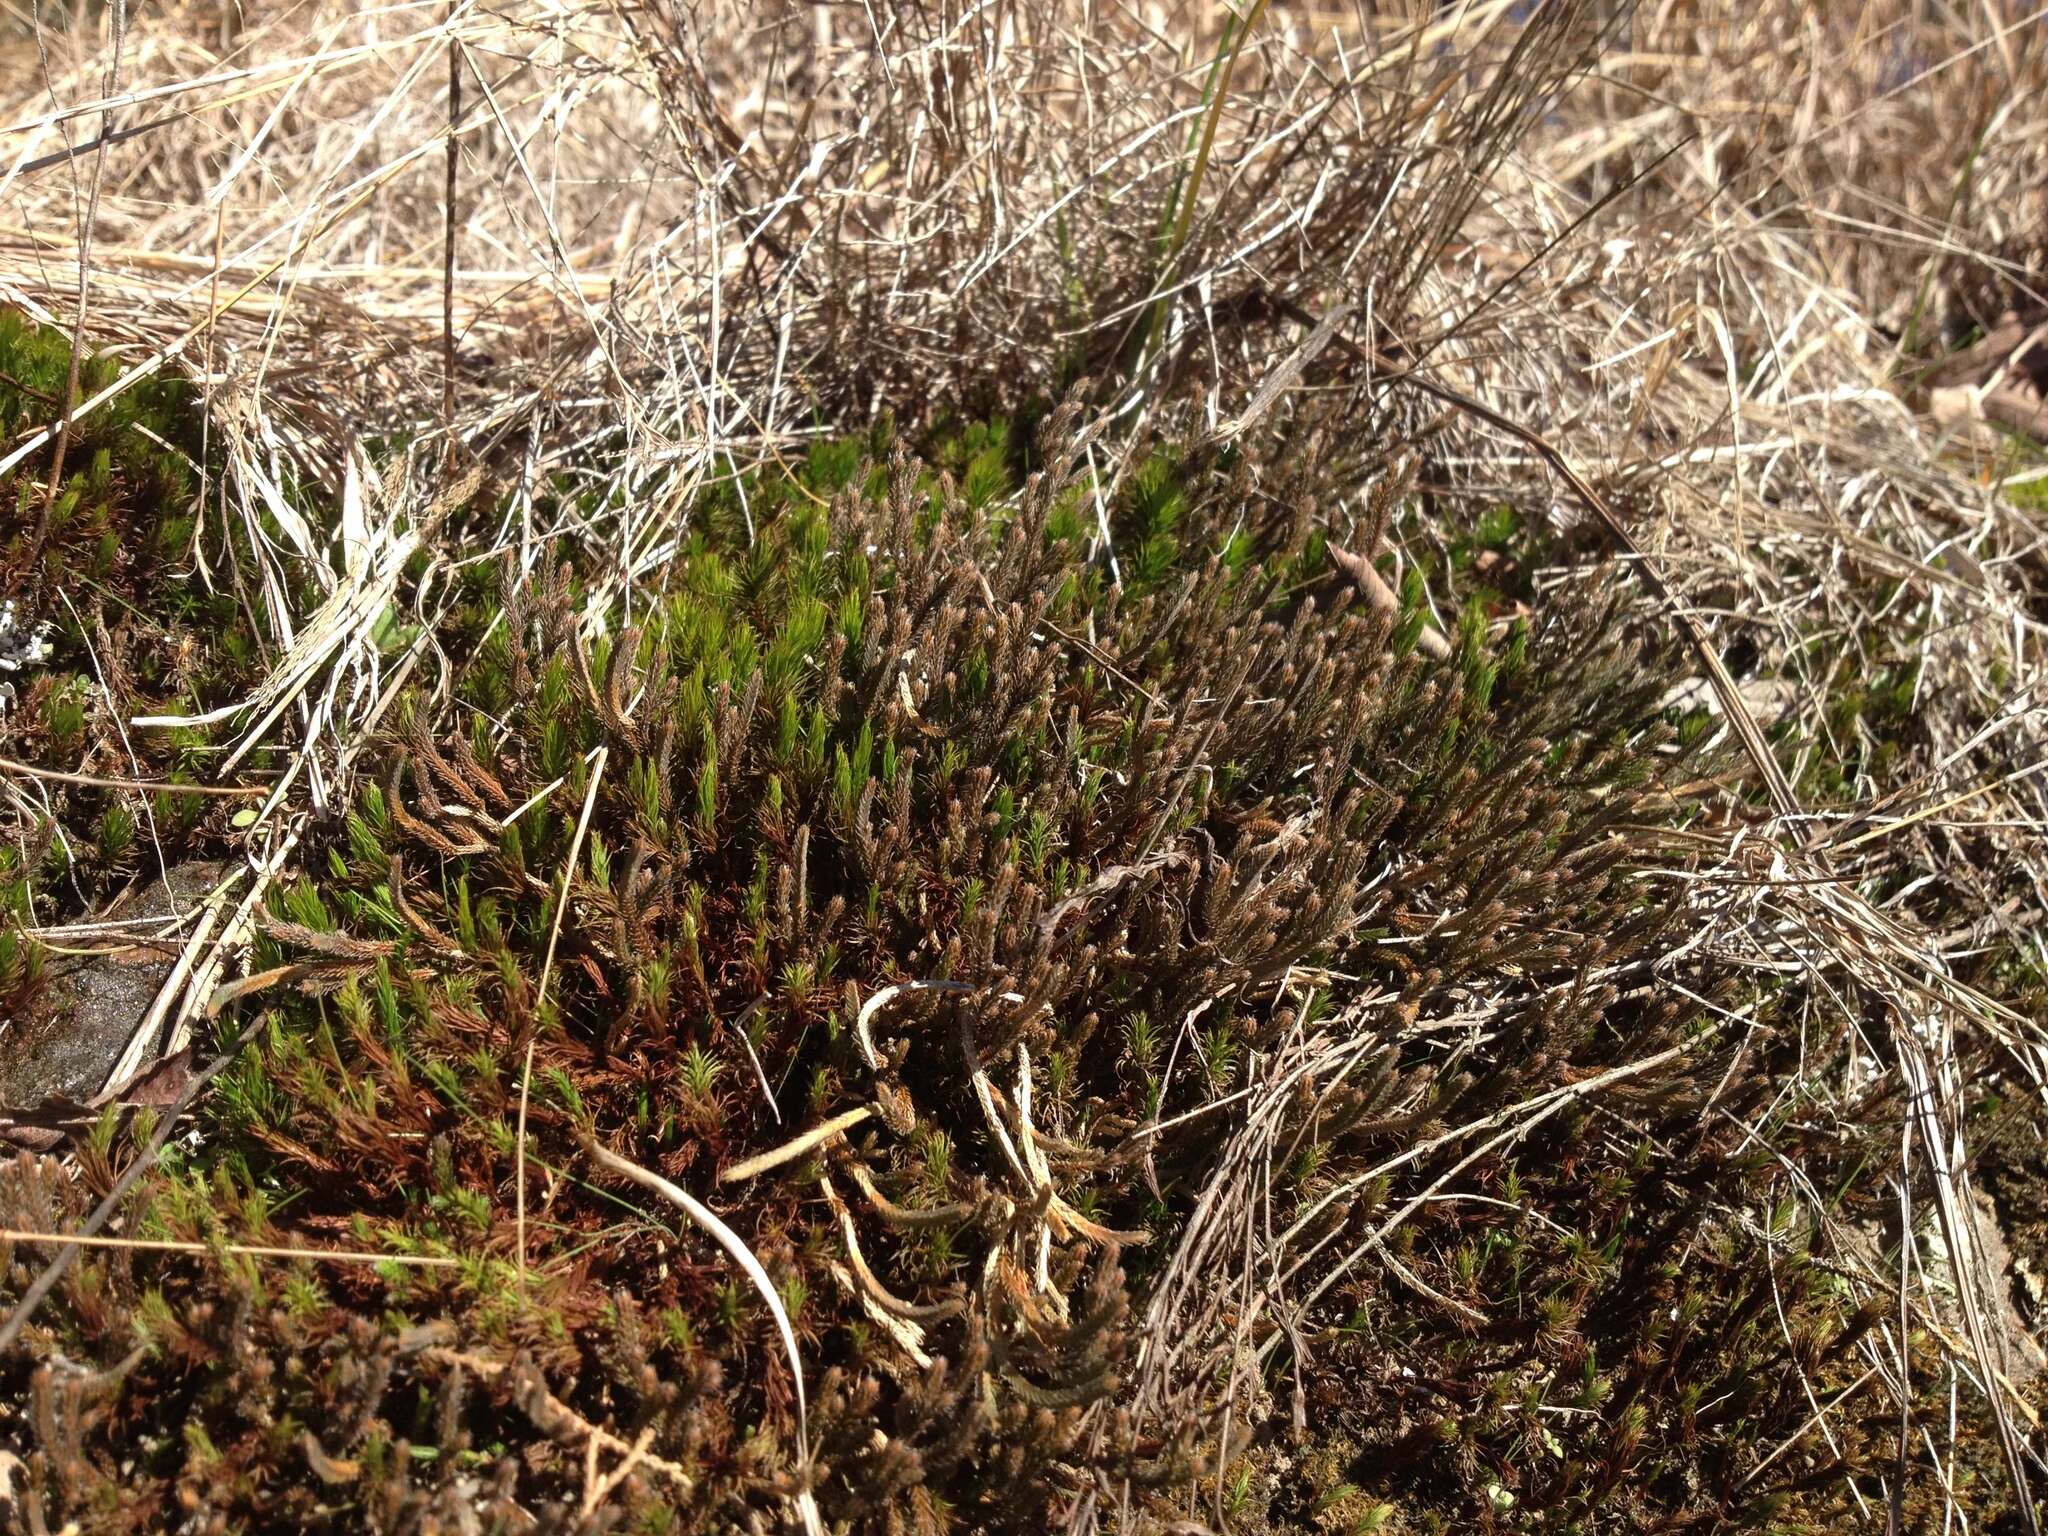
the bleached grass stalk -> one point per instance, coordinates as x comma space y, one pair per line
540, 1000
246, 1250
757, 1275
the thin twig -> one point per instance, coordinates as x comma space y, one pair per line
448, 245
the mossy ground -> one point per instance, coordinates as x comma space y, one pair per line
101, 556
885, 719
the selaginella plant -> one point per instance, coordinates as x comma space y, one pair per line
946, 917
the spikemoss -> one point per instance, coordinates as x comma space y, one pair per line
1134, 843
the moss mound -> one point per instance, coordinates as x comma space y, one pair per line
112, 611
103, 523
990, 946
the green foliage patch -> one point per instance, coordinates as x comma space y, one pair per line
884, 807
104, 568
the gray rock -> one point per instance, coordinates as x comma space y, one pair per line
96, 1004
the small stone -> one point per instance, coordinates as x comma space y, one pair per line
93, 1008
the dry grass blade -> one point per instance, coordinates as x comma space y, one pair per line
757, 1276
546, 974
250, 1250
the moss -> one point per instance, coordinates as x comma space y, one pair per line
127, 473
2020, 454
887, 723
102, 568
